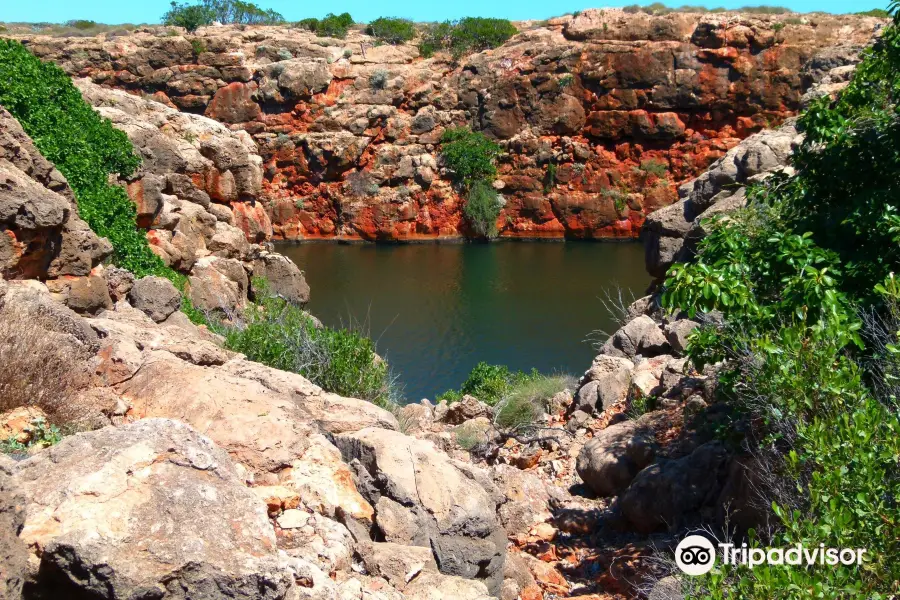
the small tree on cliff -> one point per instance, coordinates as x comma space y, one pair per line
191, 17
470, 155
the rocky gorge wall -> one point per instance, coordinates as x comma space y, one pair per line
601, 115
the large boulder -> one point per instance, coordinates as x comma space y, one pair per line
43, 235
218, 284
13, 552
439, 503
284, 278
640, 336
150, 509
155, 296
666, 493
605, 383
609, 461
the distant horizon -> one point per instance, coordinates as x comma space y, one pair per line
150, 12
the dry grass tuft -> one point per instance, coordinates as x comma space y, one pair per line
40, 368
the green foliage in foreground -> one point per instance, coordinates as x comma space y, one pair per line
471, 34
805, 279
279, 334
86, 148
489, 383
391, 30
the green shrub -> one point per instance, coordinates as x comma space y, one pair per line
489, 383
764, 10
391, 30
550, 177
198, 47
189, 16
335, 26
482, 209
805, 279
241, 12
471, 34
378, 80
82, 24
283, 336
435, 36
469, 154
86, 148
310, 23
875, 12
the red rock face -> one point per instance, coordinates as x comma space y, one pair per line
600, 116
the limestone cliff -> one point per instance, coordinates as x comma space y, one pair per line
601, 115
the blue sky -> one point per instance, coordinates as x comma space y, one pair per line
149, 11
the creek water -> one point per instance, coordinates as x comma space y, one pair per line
436, 310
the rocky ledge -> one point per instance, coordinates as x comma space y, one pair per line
601, 116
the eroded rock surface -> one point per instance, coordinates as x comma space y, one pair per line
602, 115
148, 508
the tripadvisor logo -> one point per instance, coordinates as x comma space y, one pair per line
696, 555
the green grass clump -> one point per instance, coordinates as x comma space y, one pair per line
282, 335
805, 277
391, 30
654, 167
529, 399
86, 148
489, 383
468, 35
875, 12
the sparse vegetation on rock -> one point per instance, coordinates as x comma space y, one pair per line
471, 34
282, 335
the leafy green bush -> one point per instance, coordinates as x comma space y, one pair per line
489, 383
391, 30
435, 36
240, 12
86, 148
469, 154
805, 279
482, 209
471, 34
189, 16
283, 336
332, 25
310, 23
